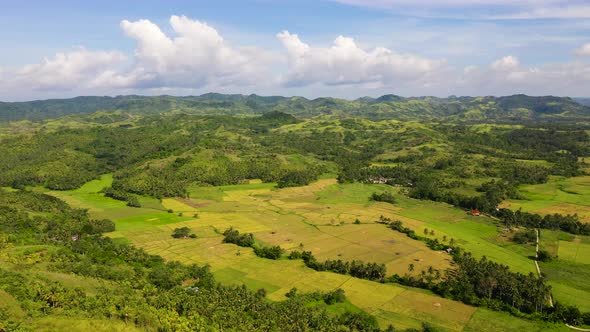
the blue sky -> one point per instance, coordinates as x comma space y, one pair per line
342, 48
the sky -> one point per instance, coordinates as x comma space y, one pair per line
311, 48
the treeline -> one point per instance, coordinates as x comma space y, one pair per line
397, 225
383, 197
295, 178
355, 268
232, 235
120, 195
566, 223
144, 291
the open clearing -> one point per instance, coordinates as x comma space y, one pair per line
320, 218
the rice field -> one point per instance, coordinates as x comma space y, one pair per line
321, 218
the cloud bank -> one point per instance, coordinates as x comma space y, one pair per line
194, 56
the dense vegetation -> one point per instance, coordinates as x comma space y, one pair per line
358, 269
232, 235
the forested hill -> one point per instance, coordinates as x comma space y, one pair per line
516, 108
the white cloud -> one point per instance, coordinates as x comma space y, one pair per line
508, 76
345, 63
506, 63
65, 70
196, 56
584, 50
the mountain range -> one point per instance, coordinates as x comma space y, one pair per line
515, 108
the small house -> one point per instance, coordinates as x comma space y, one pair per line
475, 212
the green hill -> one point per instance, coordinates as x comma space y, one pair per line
516, 108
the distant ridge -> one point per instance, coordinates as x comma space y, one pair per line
515, 108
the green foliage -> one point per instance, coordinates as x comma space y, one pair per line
383, 197
544, 256
525, 236
181, 233
356, 268
120, 195
335, 296
296, 178
232, 235
273, 252
566, 223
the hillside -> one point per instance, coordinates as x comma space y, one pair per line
516, 108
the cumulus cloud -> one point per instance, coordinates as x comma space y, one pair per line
508, 76
345, 63
65, 70
506, 63
584, 50
196, 56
